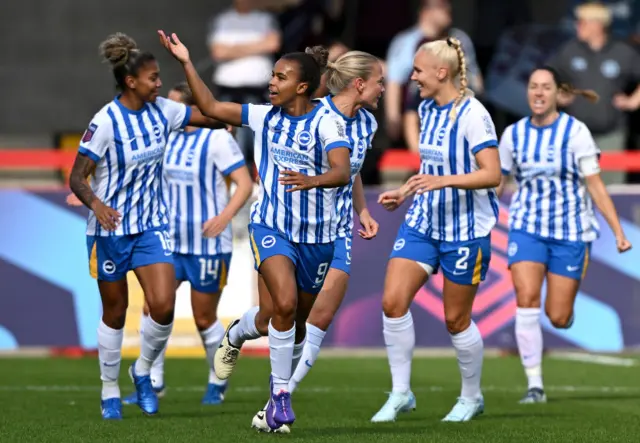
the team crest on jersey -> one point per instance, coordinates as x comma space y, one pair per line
304, 139
88, 134
157, 131
362, 146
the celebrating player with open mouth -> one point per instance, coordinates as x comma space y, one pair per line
551, 220
303, 155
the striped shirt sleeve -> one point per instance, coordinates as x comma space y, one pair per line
225, 152
97, 138
479, 129
506, 151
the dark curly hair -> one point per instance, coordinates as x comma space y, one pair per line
122, 52
312, 63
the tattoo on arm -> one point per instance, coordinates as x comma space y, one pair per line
83, 167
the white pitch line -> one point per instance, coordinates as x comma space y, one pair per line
333, 389
607, 360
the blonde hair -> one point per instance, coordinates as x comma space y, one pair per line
594, 11
349, 66
450, 52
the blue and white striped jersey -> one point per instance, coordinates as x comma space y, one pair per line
360, 131
552, 200
283, 142
196, 165
128, 148
448, 148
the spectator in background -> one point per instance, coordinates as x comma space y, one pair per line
625, 18
594, 61
305, 22
243, 42
434, 22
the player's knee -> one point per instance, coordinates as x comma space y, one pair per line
527, 298
204, 320
285, 308
162, 312
560, 320
529, 301
114, 320
393, 309
457, 322
114, 314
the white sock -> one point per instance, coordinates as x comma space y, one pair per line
309, 355
298, 349
211, 338
529, 339
109, 357
157, 369
245, 329
154, 340
298, 352
469, 350
281, 353
400, 339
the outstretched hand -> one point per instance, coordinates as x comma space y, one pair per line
174, 46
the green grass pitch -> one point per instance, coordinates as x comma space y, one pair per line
57, 400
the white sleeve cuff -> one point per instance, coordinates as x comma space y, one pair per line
589, 165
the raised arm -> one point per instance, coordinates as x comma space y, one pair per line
226, 112
200, 120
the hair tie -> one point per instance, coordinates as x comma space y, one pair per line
449, 42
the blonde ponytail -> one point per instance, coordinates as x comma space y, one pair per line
349, 66
461, 73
